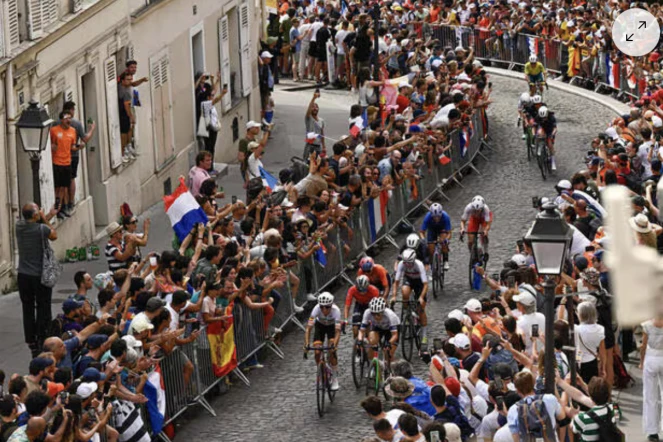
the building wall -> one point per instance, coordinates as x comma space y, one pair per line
6, 235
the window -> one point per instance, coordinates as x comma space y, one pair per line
235, 61
113, 112
162, 117
41, 13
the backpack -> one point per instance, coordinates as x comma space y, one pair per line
622, 378
608, 431
534, 422
632, 181
56, 329
7, 429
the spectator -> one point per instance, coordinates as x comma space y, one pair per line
82, 138
209, 99
252, 131
125, 93
314, 124
119, 252
32, 233
130, 226
63, 142
372, 405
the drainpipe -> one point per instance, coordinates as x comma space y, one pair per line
10, 110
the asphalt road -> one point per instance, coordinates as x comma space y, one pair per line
280, 404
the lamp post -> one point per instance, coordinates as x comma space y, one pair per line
33, 130
550, 237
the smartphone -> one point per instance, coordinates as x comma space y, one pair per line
435, 436
500, 403
498, 382
153, 262
437, 344
511, 281
590, 249
225, 85
535, 330
233, 199
220, 188
535, 202
520, 245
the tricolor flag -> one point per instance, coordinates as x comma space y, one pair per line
183, 210
156, 400
268, 179
612, 72
356, 126
464, 141
377, 213
344, 8
321, 254
444, 159
533, 44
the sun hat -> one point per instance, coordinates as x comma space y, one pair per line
113, 228
399, 387
640, 223
252, 124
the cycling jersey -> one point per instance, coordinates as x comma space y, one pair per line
413, 271
531, 111
377, 277
547, 124
388, 321
534, 69
483, 216
361, 298
430, 224
317, 316
522, 105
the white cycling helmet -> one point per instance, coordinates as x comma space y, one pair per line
525, 98
412, 241
478, 203
532, 58
543, 112
377, 305
409, 255
436, 209
362, 283
537, 99
325, 299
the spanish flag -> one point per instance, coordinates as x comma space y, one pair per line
221, 337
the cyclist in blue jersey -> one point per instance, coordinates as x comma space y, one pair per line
437, 226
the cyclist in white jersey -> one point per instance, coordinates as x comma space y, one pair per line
412, 273
381, 323
326, 319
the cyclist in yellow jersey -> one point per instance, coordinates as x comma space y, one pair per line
534, 70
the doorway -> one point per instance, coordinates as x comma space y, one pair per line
198, 52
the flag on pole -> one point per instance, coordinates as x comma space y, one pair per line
533, 44
183, 211
377, 213
268, 179
156, 400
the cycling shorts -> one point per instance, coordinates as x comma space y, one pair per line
358, 313
324, 331
432, 235
475, 224
385, 335
538, 78
415, 284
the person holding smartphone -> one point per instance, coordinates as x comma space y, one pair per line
530, 319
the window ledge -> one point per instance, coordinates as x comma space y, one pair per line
150, 6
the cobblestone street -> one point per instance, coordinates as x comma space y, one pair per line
280, 404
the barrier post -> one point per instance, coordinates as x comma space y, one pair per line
200, 399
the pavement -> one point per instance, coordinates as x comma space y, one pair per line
280, 404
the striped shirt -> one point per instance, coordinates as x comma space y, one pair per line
113, 263
585, 426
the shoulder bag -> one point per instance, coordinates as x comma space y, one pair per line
202, 123
51, 268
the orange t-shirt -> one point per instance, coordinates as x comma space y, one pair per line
62, 140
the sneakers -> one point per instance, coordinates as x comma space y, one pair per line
334, 384
125, 158
66, 211
61, 215
446, 266
524, 136
652, 437
298, 309
311, 297
553, 166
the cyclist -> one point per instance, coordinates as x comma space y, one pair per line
437, 227
524, 101
476, 218
413, 241
381, 323
377, 275
326, 318
412, 273
535, 72
546, 125
362, 293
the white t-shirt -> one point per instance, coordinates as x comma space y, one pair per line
592, 335
302, 31
392, 417
488, 427
314, 29
525, 323
340, 36
503, 435
254, 166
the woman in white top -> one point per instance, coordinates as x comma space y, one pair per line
366, 86
651, 363
211, 118
254, 163
590, 343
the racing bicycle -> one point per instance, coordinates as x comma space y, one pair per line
477, 255
378, 368
323, 378
410, 328
437, 266
543, 155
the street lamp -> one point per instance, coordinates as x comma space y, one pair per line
33, 130
550, 238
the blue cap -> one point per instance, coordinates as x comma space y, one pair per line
70, 305
39, 364
96, 341
598, 255
93, 375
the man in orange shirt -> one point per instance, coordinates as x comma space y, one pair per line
63, 140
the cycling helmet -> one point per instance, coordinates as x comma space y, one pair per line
366, 264
409, 255
377, 305
436, 209
532, 58
543, 112
325, 299
537, 99
412, 241
362, 283
525, 98
478, 203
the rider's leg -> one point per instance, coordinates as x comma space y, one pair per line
373, 339
423, 320
406, 290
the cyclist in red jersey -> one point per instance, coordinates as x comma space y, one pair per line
362, 293
377, 275
477, 217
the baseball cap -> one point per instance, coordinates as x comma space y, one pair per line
525, 298
96, 341
403, 84
93, 375
252, 124
452, 432
453, 385
266, 54
460, 341
612, 133
54, 388
132, 342
564, 184
519, 259
581, 262
70, 305
456, 314
154, 304
140, 323
86, 389
473, 305
39, 364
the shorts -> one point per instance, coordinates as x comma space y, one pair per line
358, 313
432, 235
295, 56
74, 166
385, 335
269, 116
475, 224
125, 124
363, 64
321, 55
323, 331
340, 60
312, 49
61, 175
538, 78
415, 284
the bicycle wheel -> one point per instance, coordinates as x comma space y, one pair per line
542, 156
320, 387
331, 393
530, 143
435, 273
407, 334
359, 362
370, 376
378, 377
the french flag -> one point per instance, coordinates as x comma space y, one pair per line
183, 210
321, 254
377, 213
533, 44
268, 179
356, 126
344, 8
464, 142
156, 400
612, 73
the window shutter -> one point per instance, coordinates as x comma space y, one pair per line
12, 22
113, 111
3, 24
35, 19
156, 74
224, 57
49, 11
69, 95
130, 52
245, 49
